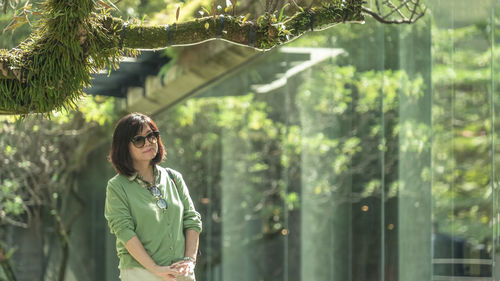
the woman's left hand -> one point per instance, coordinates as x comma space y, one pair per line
185, 267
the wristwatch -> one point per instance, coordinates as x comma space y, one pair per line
189, 259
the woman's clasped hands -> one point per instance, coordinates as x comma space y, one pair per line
167, 273
170, 273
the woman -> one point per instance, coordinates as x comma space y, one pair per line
148, 208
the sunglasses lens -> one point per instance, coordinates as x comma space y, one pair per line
139, 141
161, 203
152, 137
155, 191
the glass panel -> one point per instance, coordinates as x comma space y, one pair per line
495, 108
462, 114
363, 152
414, 152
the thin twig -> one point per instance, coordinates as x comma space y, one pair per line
414, 10
295, 4
379, 18
378, 7
13, 222
5, 3
395, 9
420, 15
407, 6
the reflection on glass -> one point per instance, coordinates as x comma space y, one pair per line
462, 111
357, 153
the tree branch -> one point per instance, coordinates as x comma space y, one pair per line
396, 9
381, 19
414, 15
49, 70
267, 34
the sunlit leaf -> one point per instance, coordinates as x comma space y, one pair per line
281, 17
15, 23
205, 11
245, 18
103, 4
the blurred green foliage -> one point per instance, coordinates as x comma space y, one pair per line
41, 157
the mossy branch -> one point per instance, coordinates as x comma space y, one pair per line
263, 35
49, 70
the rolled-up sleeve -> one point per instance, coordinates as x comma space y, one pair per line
191, 218
117, 213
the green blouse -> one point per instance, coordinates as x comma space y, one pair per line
131, 209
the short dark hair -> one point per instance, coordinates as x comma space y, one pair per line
127, 128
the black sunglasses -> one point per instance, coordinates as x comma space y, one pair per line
140, 141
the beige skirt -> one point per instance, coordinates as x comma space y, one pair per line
141, 274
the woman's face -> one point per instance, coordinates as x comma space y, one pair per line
147, 152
